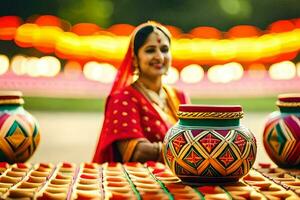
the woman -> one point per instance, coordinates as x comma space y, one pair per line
139, 113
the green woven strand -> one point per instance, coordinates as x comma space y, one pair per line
162, 185
226, 192
136, 192
199, 193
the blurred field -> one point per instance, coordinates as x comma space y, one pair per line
258, 104
72, 136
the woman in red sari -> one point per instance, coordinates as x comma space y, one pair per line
139, 113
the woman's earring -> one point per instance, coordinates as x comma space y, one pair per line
136, 69
166, 72
136, 72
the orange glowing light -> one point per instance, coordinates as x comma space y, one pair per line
243, 31
206, 32
121, 29
48, 20
281, 26
85, 29
8, 27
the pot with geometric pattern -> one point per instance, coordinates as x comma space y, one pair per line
281, 136
19, 132
208, 145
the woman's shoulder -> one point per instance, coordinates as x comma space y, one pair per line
124, 93
173, 89
175, 92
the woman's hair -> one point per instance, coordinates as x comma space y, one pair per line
142, 35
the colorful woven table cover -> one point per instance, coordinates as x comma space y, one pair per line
136, 181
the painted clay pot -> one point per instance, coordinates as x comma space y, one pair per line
281, 137
208, 145
19, 132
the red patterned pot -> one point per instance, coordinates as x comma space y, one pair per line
281, 137
208, 145
19, 132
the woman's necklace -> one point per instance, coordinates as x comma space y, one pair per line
157, 98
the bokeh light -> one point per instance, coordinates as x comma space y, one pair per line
257, 70
225, 73
283, 70
31, 66
18, 64
72, 69
241, 8
48, 66
4, 64
235, 69
102, 72
192, 74
172, 76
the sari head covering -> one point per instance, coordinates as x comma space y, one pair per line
126, 70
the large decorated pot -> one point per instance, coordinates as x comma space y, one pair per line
281, 137
208, 145
19, 132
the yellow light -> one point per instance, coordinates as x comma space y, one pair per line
200, 49
46, 37
223, 50
248, 49
26, 34
192, 73
68, 44
269, 45
172, 76
18, 64
196, 48
108, 47
4, 64
283, 71
289, 41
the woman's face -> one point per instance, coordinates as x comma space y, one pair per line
154, 57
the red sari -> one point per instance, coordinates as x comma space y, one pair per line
130, 115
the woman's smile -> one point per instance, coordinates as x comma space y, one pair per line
154, 57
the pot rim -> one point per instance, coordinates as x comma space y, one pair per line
11, 97
209, 108
288, 100
10, 93
218, 112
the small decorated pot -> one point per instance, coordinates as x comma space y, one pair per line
208, 145
19, 132
281, 137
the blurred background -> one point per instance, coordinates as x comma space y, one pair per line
63, 55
